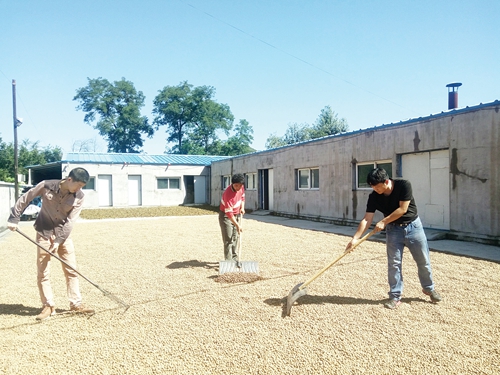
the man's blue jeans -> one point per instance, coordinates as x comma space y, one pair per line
413, 237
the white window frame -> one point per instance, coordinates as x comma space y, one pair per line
372, 164
251, 181
168, 179
312, 182
225, 181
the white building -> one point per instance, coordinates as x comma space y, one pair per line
122, 180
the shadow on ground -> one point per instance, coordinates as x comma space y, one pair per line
19, 309
193, 264
339, 300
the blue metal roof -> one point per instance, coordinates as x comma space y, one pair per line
119, 158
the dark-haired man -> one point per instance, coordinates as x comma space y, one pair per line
62, 202
394, 198
232, 204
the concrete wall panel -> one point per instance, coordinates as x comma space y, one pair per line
470, 136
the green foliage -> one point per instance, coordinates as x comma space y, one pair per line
327, 123
274, 141
29, 153
239, 143
193, 119
114, 109
297, 133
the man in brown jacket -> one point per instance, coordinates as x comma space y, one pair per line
62, 202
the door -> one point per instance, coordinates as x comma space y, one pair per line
104, 189
429, 174
266, 189
200, 190
134, 190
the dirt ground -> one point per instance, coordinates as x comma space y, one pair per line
181, 321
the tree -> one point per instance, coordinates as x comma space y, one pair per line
328, 123
192, 117
294, 133
29, 153
297, 133
213, 118
274, 141
239, 143
117, 107
85, 145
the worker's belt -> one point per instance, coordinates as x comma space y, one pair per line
404, 224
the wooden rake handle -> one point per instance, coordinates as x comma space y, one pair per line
240, 222
363, 239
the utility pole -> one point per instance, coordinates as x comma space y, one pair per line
17, 123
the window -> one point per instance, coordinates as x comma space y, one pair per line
251, 181
168, 183
90, 185
308, 178
226, 181
362, 171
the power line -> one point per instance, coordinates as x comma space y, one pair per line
294, 56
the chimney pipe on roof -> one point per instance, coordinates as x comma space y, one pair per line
453, 94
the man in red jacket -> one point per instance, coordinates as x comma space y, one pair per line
232, 205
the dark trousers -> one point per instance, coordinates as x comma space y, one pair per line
230, 237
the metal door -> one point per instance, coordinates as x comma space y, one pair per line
134, 190
200, 190
429, 174
104, 189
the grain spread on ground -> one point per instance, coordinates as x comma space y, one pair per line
183, 322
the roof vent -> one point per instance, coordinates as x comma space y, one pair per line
453, 94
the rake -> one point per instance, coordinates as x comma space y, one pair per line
300, 289
105, 292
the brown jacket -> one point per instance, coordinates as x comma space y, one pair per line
58, 212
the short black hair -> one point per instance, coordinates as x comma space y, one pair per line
377, 176
238, 178
79, 175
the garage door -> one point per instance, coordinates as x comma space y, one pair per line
429, 174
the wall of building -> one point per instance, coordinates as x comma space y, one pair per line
471, 137
7, 200
151, 196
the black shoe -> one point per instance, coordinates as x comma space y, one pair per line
435, 297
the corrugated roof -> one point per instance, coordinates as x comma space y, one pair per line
450, 112
118, 158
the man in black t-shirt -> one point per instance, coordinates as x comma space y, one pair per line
394, 198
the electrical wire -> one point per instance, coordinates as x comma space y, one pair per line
294, 56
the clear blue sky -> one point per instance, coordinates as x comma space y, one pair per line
273, 62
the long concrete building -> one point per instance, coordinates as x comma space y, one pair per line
451, 158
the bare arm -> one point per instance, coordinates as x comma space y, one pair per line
396, 214
235, 223
363, 225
